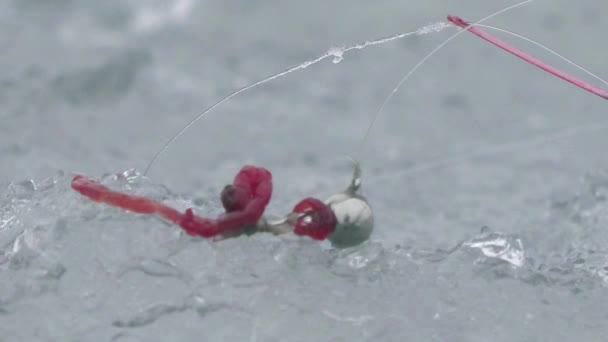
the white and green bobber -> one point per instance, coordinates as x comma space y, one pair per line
354, 215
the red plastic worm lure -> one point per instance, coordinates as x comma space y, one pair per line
346, 218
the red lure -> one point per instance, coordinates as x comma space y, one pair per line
244, 201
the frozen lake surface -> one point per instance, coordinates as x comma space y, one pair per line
488, 178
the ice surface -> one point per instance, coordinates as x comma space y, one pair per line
509, 244
80, 271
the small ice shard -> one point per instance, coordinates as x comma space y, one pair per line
22, 190
46, 184
21, 253
499, 246
132, 176
361, 256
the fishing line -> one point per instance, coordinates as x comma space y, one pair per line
509, 146
416, 67
336, 53
518, 144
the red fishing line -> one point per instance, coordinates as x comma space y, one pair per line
534, 61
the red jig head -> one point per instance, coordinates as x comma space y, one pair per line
317, 221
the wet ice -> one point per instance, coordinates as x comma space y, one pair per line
96, 89
131, 272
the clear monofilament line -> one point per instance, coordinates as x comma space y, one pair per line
361, 148
509, 146
524, 56
335, 52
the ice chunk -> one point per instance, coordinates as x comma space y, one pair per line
499, 246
